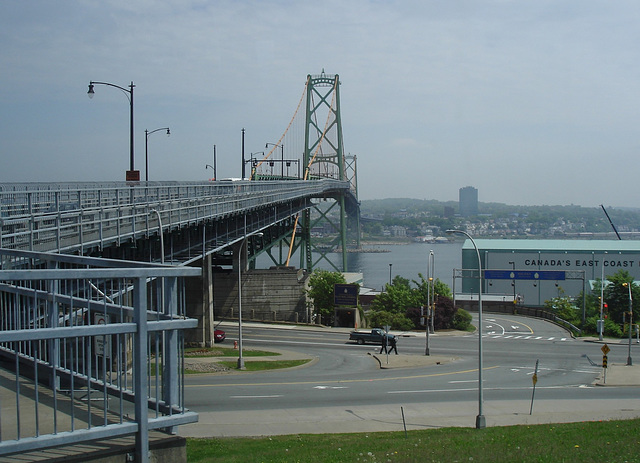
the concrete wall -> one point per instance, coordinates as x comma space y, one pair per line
276, 294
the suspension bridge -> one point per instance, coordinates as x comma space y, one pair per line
96, 278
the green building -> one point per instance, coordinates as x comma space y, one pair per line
533, 271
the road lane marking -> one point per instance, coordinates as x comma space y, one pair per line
255, 396
343, 381
512, 388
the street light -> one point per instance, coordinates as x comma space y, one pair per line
243, 243
390, 265
146, 149
132, 175
513, 282
628, 285
480, 419
282, 150
430, 266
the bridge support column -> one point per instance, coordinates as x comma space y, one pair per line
200, 305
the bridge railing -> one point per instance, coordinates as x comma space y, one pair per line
89, 349
74, 217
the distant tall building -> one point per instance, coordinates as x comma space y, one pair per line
468, 202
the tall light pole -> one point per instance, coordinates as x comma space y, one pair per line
628, 285
240, 264
480, 419
132, 175
513, 282
432, 282
601, 321
427, 350
390, 265
282, 150
146, 149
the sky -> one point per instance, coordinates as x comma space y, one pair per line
532, 102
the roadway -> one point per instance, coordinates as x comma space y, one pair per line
344, 389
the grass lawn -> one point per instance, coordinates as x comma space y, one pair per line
598, 441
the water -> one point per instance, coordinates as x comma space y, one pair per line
407, 260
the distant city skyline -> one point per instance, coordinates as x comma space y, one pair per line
532, 102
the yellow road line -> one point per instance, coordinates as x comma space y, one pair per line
341, 381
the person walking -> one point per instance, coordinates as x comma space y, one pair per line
393, 345
384, 344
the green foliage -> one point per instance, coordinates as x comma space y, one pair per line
439, 288
565, 309
321, 287
616, 294
611, 328
462, 320
396, 298
396, 321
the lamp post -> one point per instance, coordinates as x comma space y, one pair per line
242, 244
146, 150
390, 265
601, 321
132, 175
480, 419
513, 282
628, 285
427, 350
212, 168
432, 275
282, 151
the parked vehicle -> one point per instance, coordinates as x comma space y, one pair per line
374, 336
219, 335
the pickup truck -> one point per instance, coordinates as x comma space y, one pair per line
373, 336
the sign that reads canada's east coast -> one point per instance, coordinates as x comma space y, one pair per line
345, 294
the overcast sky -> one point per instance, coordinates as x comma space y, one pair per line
530, 101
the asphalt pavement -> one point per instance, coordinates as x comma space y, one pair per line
372, 418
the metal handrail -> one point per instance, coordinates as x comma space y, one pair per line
73, 326
72, 217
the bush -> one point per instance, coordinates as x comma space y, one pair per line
380, 318
611, 328
462, 320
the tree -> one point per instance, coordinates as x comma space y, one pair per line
616, 295
321, 292
397, 297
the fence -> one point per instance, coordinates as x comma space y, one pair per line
89, 349
74, 217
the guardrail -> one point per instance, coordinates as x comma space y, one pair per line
89, 349
74, 217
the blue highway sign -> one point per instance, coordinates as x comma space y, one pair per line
524, 275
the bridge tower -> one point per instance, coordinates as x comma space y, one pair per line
324, 157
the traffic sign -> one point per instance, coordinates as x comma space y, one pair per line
605, 349
524, 274
604, 361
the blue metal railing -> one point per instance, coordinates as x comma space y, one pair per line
89, 349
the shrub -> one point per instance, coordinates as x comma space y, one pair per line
381, 318
462, 320
611, 328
